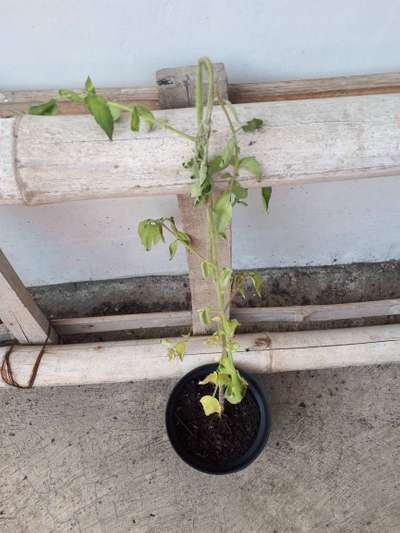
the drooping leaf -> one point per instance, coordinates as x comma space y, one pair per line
257, 282
135, 119
183, 237
210, 405
239, 192
145, 114
226, 277
172, 249
205, 272
150, 233
231, 326
251, 165
252, 125
71, 95
215, 165
231, 152
48, 108
115, 111
222, 212
98, 107
89, 87
235, 392
180, 348
211, 378
204, 316
266, 193
175, 350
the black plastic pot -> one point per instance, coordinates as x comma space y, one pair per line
257, 444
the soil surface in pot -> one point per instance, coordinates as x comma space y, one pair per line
213, 440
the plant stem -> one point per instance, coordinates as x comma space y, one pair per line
189, 247
159, 123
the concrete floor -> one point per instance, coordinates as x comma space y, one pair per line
97, 459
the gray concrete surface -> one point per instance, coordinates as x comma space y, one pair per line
97, 459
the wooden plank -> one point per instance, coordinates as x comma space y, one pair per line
18, 311
246, 316
305, 141
177, 90
78, 364
386, 83
9, 189
15, 102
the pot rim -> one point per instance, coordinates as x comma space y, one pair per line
259, 441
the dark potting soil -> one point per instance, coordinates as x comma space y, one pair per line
214, 440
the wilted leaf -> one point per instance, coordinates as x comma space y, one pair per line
231, 152
135, 119
48, 108
266, 193
71, 95
172, 249
115, 111
251, 165
211, 378
205, 272
253, 124
150, 233
145, 114
204, 316
215, 165
257, 281
210, 405
222, 213
98, 107
226, 277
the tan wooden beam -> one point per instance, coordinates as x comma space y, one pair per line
18, 311
177, 90
16, 102
108, 362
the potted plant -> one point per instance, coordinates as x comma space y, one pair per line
217, 416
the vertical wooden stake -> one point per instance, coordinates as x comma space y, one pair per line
18, 311
177, 89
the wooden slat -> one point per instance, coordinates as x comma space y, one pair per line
69, 158
107, 362
315, 88
18, 311
177, 90
246, 316
14, 102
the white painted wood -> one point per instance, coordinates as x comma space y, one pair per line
18, 311
69, 158
107, 362
253, 315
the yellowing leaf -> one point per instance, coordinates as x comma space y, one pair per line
211, 378
210, 405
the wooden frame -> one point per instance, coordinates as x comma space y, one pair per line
360, 143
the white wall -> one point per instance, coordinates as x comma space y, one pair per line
123, 42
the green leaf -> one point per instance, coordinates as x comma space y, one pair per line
210, 405
172, 249
215, 165
48, 108
225, 277
71, 95
231, 152
205, 271
145, 114
135, 119
266, 193
150, 233
180, 349
98, 107
204, 316
257, 281
251, 165
253, 124
231, 326
222, 213
239, 192
115, 111
211, 378
183, 237
89, 87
